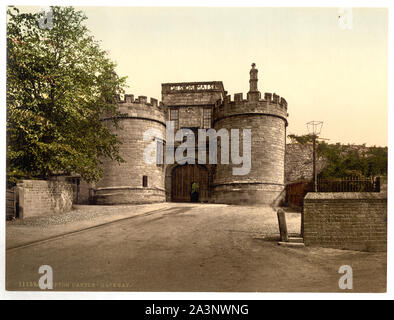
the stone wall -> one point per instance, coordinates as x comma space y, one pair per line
81, 188
191, 117
383, 185
299, 162
349, 220
41, 197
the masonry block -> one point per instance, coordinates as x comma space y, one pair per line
41, 197
348, 220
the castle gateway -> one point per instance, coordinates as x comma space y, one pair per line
194, 106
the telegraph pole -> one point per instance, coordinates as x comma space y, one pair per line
314, 165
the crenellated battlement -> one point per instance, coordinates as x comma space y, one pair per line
129, 99
274, 98
272, 104
268, 97
140, 108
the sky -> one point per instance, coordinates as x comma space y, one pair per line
325, 72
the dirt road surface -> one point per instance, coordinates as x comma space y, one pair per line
181, 247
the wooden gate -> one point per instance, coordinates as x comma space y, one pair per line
295, 193
182, 180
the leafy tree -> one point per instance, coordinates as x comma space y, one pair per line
353, 161
59, 86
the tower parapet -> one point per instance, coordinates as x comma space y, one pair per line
130, 107
272, 104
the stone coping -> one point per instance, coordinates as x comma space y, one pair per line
344, 195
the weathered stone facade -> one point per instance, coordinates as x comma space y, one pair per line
299, 162
199, 105
123, 183
41, 197
267, 121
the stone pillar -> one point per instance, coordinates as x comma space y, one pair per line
253, 79
253, 94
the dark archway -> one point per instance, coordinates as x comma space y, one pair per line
182, 179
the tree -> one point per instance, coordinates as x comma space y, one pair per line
353, 161
60, 83
348, 160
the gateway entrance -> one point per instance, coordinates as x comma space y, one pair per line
189, 183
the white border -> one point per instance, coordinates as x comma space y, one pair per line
199, 295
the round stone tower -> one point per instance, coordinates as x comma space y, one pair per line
267, 120
135, 180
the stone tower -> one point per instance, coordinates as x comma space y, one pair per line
134, 181
267, 119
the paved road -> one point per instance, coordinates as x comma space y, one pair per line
191, 248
